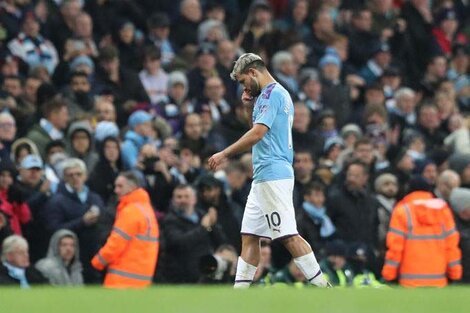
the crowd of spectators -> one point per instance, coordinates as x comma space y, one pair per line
91, 88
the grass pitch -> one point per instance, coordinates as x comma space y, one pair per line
186, 299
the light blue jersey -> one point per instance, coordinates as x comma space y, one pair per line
273, 155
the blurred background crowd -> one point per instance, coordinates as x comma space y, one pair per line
91, 88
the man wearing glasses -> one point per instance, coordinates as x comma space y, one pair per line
77, 208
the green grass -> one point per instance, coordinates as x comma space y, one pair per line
226, 300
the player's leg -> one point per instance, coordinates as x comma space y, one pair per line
248, 261
305, 260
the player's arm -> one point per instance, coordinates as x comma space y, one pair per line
249, 139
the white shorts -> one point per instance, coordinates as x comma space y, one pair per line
269, 211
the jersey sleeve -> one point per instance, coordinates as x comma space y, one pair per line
268, 110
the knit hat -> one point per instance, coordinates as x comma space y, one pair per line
81, 60
106, 129
383, 179
460, 199
80, 125
351, 129
459, 161
330, 59
138, 117
331, 142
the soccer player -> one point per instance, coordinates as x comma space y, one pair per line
269, 211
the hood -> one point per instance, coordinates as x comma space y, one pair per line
428, 209
137, 196
53, 251
80, 125
21, 141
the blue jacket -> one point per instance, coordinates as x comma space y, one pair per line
130, 148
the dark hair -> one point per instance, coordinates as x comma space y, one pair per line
151, 53
364, 166
362, 141
235, 166
314, 186
53, 105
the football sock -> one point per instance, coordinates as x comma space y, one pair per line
311, 269
245, 274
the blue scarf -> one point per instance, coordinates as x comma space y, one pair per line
193, 218
17, 273
318, 215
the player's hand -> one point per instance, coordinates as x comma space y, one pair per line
247, 98
216, 160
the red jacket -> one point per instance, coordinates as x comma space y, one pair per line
17, 213
131, 251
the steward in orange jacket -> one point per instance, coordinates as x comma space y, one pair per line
422, 243
131, 250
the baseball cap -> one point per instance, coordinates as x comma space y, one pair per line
31, 161
138, 117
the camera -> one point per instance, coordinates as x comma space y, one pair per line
149, 164
214, 269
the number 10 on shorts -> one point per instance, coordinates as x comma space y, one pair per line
273, 220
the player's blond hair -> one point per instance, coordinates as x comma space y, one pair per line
243, 62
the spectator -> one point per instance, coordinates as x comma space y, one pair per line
313, 223
285, 71
176, 104
304, 165
152, 76
353, 210
229, 215
295, 21
377, 64
205, 68
37, 190
188, 234
105, 172
105, 110
7, 134
31, 46
52, 124
123, 84
158, 26
446, 32
191, 136
64, 22
238, 183
303, 137
362, 41
131, 251
76, 208
12, 202
159, 176
214, 92
15, 266
62, 265
79, 96
81, 146
322, 31
140, 129
129, 46
386, 190
184, 29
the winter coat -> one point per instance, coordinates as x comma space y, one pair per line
131, 251
422, 243
54, 269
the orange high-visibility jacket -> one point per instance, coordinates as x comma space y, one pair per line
422, 243
131, 250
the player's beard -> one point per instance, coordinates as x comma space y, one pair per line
255, 88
